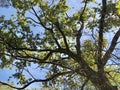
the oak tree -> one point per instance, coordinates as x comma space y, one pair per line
80, 48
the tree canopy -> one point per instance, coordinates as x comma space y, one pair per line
79, 49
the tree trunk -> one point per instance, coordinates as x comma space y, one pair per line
102, 82
99, 78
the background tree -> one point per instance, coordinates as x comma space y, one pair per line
73, 47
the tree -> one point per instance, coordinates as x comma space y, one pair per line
75, 47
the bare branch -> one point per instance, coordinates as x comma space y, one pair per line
116, 57
30, 73
33, 20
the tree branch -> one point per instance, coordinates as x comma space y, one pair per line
79, 34
111, 48
63, 35
37, 60
116, 57
38, 80
100, 40
33, 20
83, 85
50, 29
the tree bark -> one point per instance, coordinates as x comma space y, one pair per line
99, 78
102, 82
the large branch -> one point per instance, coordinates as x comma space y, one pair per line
78, 36
27, 56
57, 63
111, 48
38, 60
84, 67
101, 30
38, 80
50, 52
77, 58
9, 46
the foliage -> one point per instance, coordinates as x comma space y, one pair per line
118, 7
75, 48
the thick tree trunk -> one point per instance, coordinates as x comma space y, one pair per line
99, 78
102, 83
